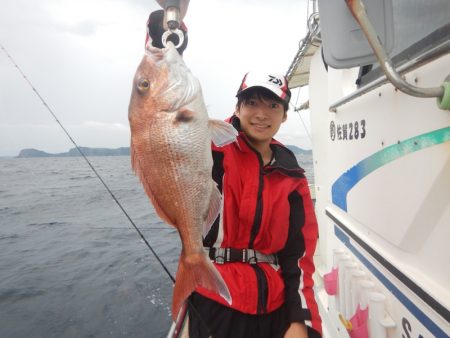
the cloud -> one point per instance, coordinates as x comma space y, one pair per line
81, 56
83, 28
105, 126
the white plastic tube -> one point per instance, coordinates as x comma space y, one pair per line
376, 315
357, 277
340, 295
349, 269
365, 288
337, 254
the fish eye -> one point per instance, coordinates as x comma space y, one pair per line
143, 85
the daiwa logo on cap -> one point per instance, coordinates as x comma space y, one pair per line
274, 82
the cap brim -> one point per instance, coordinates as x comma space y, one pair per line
279, 93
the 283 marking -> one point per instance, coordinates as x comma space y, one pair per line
348, 131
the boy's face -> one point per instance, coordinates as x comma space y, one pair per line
260, 119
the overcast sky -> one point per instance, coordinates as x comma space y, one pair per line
81, 56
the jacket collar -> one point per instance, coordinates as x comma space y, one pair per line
284, 159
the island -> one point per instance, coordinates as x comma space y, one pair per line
87, 151
299, 151
122, 151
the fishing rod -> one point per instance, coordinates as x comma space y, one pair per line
180, 319
119, 228
88, 162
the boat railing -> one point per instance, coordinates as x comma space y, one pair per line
442, 92
430, 54
307, 47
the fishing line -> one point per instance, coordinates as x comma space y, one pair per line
119, 228
103, 182
88, 162
299, 115
298, 94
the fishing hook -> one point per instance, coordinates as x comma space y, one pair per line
172, 16
169, 32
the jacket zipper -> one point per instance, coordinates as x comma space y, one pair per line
262, 284
258, 212
263, 290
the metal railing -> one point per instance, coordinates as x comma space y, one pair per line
359, 13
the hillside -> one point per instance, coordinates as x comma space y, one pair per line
123, 151
25, 153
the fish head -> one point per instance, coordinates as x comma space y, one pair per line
163, 84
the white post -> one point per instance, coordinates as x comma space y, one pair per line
365, 288
376, 315
340, 295
350, 268
357, 277
337, 253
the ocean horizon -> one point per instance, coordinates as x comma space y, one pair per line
71, 263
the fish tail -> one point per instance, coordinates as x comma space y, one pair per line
196, 270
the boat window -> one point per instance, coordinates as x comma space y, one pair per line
406, 28
418, 27
343, 42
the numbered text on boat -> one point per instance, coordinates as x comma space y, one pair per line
354, 130
408, 330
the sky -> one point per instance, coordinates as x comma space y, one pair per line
81, 56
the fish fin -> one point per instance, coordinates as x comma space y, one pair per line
193, 271
215, 204
222, 133
136, 166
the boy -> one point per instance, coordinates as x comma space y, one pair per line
264, 239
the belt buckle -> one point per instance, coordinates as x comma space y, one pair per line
251, 259
219, 256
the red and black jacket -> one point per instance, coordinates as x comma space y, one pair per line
269, 209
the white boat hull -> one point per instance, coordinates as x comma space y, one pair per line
382, 180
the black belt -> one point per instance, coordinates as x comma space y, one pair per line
228, 255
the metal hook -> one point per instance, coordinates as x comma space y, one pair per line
169, 32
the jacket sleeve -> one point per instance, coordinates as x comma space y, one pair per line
296, 261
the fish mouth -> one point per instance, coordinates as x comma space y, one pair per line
153, 52
168, 53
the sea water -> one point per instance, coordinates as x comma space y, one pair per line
71, 264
